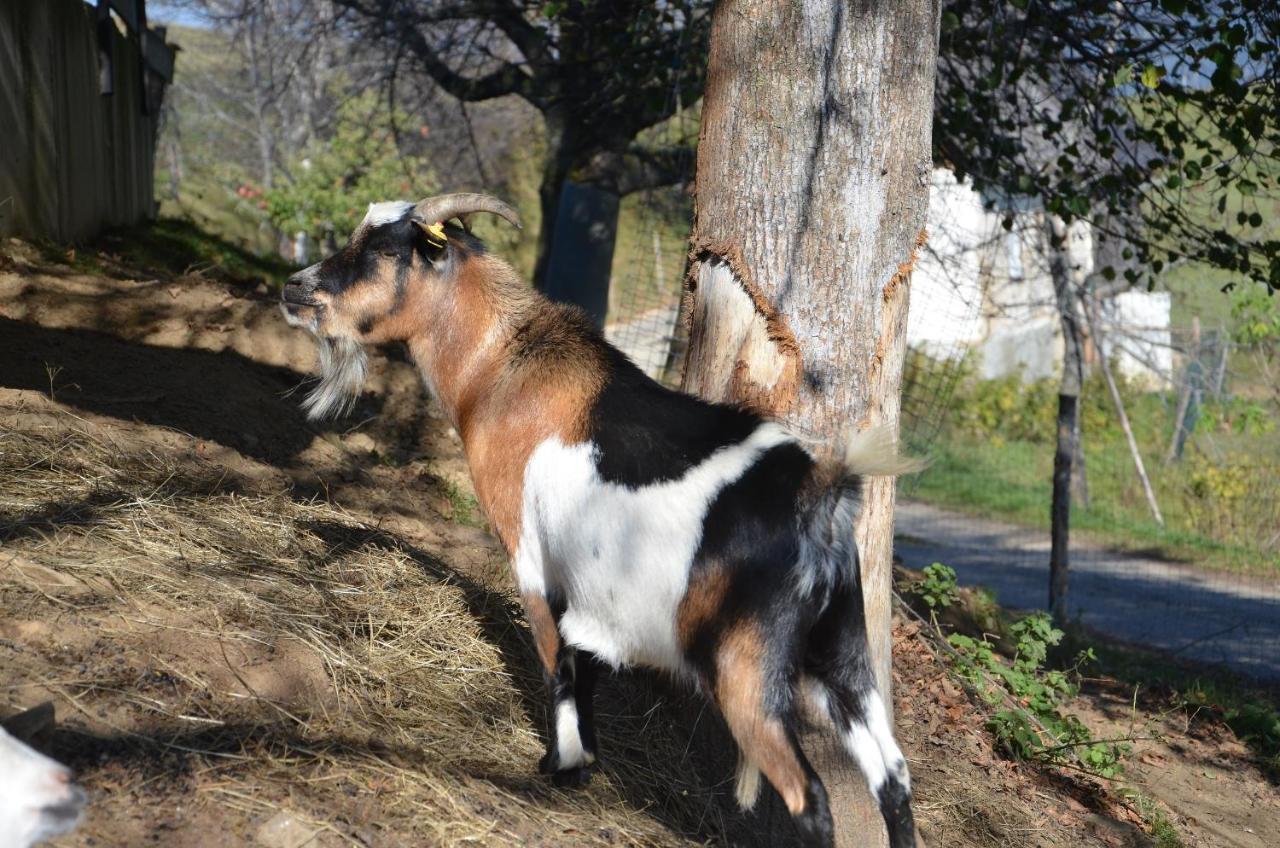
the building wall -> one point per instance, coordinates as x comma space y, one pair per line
72, 160
985, 288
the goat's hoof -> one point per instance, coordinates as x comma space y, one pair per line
572, 778
569, 777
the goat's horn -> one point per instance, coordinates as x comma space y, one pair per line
449, 206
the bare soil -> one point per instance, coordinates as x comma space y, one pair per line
257, 631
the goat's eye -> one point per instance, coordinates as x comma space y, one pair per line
390, 254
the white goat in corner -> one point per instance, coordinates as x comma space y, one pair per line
38, 800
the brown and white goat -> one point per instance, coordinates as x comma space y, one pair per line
645, 527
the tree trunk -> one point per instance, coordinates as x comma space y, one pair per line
555, 172
1068, 411
581, 260
258, 89
812, 192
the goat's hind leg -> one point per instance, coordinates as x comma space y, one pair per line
843, 686
570, 680
757, 705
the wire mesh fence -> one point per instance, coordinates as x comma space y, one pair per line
980, 394
645, 292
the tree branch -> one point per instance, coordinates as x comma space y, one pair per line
637, 169
507, 79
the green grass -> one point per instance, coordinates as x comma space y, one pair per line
643, 278
1012, 481
1162, 831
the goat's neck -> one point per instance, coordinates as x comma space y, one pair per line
459, 356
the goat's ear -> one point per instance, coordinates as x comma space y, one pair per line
433, 236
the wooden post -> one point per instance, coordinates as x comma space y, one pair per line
1124, 418
1068, 413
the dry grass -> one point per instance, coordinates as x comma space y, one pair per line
297, 656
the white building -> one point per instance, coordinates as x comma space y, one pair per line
986, 287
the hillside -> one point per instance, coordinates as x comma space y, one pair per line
257, 631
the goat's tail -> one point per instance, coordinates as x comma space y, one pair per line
829, 555
874, 453
837, 665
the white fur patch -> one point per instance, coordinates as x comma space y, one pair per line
342, 371
620, 556
386, 213
863, 748
38, 801
748, 783
874, 453
569, 748
878, 724
873, 746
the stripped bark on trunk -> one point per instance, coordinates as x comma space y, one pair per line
812, 191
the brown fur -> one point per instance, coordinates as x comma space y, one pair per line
764, 740
702, 602
546, 636
511, 369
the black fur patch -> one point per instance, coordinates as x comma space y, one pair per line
753, 519
750, 529
647, 433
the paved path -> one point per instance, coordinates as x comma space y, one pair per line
1204, 615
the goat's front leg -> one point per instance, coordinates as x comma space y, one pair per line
571, 736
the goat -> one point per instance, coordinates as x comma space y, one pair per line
38, 800
645, 527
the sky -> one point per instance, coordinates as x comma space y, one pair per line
171, 13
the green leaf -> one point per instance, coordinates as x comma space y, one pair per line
1124, 76
1151, 76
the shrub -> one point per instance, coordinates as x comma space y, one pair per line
1029, 721
333, 182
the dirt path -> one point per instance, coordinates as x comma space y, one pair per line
1209, 616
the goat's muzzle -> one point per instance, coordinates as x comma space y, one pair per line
298, 302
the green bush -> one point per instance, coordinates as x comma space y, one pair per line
334, 182
1029, 720
994, 455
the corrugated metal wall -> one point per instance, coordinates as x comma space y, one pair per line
72, 160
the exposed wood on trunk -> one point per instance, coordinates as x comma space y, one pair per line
813, 173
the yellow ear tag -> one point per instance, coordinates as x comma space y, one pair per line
435, 234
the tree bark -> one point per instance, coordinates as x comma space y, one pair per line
812, 192
1068, 412
555, 171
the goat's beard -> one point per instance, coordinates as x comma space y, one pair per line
342, 371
